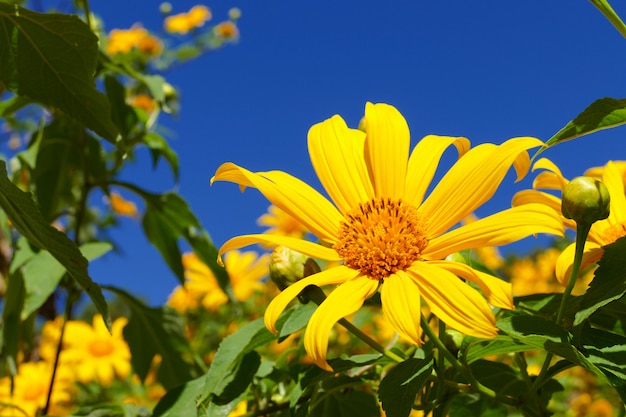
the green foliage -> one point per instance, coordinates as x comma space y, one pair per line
399, 388
52, 58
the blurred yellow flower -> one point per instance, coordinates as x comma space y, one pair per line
226, 30
143, 102
32, 383
245, 269
122, 41
94, 353
184, 22
121, 206
388, 235
602, 233
281, 223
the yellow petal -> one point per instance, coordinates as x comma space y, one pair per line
552, 179
401, 306
311, 249
534, 196
423, 164
471, 181
344, 300
614, 182
497, 291
288, 193
498, 229
334, 275
337, 154
592, 253
456, 303
386, 149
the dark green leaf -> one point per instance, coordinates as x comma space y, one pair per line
297, 319
400, 386
11, 321
58, 160
181, 401
609, 282
474, 405
160, 148
480, 348
230, 353
152, 331
27, 219
52, 58
339, 398
239, 379
603, 113
167, 219
122, 114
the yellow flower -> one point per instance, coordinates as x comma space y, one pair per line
182, 299
121, 206
31, 389
281, 223
226, 30
96, 354
122, 41
245, 269
184, 22
602, 233
387, 235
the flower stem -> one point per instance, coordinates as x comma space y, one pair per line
608, 12
315, 294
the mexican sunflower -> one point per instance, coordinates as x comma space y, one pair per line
602, 232
389, 237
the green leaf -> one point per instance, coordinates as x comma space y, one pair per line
52, 58
11, 321
27, 219
237, 382
152, 331
160, 148
609, 282
340, 399
230, 353
122, 114
297, 319
476, 349
473, 405
398, 389
58, 160
603, 113
167, 219
608, 352
181, 401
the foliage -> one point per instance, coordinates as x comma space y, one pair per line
96, 98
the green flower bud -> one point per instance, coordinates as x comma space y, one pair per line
453, 340
286, 266
585, 200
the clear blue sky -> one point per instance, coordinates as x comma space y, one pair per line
485, 70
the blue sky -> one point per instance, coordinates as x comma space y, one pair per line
476, 69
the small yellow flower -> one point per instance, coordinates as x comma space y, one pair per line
122, 41
94, 353
182, 23
388, 235
182, 299
30, 391
281, 223
143, 102
226, 30
245, 269
602, 233
121, 206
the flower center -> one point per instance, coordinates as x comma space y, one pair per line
380, 237
613, 233
101, 348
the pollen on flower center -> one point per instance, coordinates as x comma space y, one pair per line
614, 232
381, 237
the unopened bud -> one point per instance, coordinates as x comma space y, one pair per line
585, 200
286, 266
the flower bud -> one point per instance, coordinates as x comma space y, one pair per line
286, 266
585, 200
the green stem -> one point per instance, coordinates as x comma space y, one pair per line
608, 12
315, 294
459, 366
582, 230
